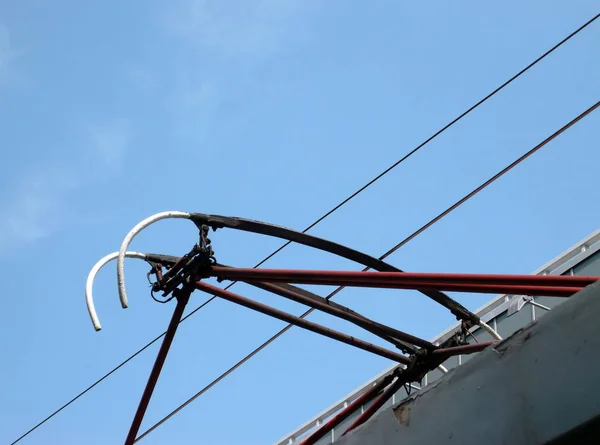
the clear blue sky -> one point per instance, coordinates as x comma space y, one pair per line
272, 110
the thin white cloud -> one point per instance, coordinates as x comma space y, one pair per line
192, 103
143, 79
5, 50
234, 28
109, 140
242, 34
36, 206
190, 94
7, 56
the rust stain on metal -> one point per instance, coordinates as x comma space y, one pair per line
402, 414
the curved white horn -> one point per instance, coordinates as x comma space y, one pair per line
486, 327
89, 284
132, 233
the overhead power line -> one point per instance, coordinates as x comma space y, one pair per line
334, 209
382, 257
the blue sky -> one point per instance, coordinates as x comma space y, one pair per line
271, 110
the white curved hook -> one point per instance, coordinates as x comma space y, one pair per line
132, 233
486, 327
89, 284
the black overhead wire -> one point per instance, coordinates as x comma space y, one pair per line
382, 257
334, 209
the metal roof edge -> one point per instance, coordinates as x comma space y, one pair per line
575, 254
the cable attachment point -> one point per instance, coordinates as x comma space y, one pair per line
461, 336
204, 240
204, 245
416, 359
155, 270
186, 270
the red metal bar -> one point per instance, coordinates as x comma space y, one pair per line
182, 300
300, 322
547, 291
292, 276
175, 268
461, 350
345, 313
557, 286
378, 403
438, 356
347, 412
543, 291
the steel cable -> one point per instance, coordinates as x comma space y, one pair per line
338, 206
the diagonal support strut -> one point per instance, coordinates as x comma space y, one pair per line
183, 297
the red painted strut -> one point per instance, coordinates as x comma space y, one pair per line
345, 313
182, 300
562, 286
378, 403
446, 353
365, 398
301, 322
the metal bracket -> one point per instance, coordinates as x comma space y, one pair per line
515, 304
